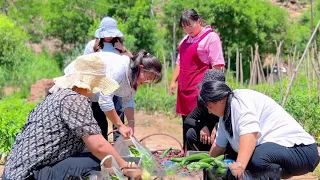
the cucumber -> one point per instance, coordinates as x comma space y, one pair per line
198, 165
194, 157
165, 152
204, 165
220, 158
220, 163
207, 160
221, 170
176, 159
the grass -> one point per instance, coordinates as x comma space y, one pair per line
316, 172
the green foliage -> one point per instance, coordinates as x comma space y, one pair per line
68, 21
155, 98
13, 113
63, 58
11, 42
30, 14
19, 66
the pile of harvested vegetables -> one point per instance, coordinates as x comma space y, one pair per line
172, 163
191, 165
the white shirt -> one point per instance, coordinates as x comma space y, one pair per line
117, 69
251, 112
107, 47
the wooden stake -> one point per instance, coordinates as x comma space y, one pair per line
241, 70
237, 66
299, 64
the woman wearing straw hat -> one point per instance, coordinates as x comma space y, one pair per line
51, 142
143, 68
109, 39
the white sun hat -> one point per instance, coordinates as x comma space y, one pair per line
89, 73
108, 28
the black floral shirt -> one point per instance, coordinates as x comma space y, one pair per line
52, 133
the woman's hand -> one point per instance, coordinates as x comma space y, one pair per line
213, 134
205, 135
237, 169
172, 88
125, 131
119, 46
133, 173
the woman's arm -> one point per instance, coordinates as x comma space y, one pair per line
216, 150
218, 67
246, 148
100, 148
174, 79
115, 119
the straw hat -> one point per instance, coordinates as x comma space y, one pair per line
89, 73
108, 28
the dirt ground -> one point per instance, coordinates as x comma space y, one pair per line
149, 124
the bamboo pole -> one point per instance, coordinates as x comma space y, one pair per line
308, 70
314, 69
261, 70
166, 83
237, 66
253, 70
241, 70
314, 65
319, 79
299, 64
229, 60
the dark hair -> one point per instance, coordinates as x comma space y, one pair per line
99, 43
150, 64
188, 15
214, 91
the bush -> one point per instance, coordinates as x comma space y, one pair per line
12, 42
19, 66
13, 113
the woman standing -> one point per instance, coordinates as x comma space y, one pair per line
109, 39
143, 68
199, 50
267, 139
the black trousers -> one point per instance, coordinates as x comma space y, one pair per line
293, 161
71, 168
271, 161
184, 131
101, 118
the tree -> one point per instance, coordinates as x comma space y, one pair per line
68, 21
